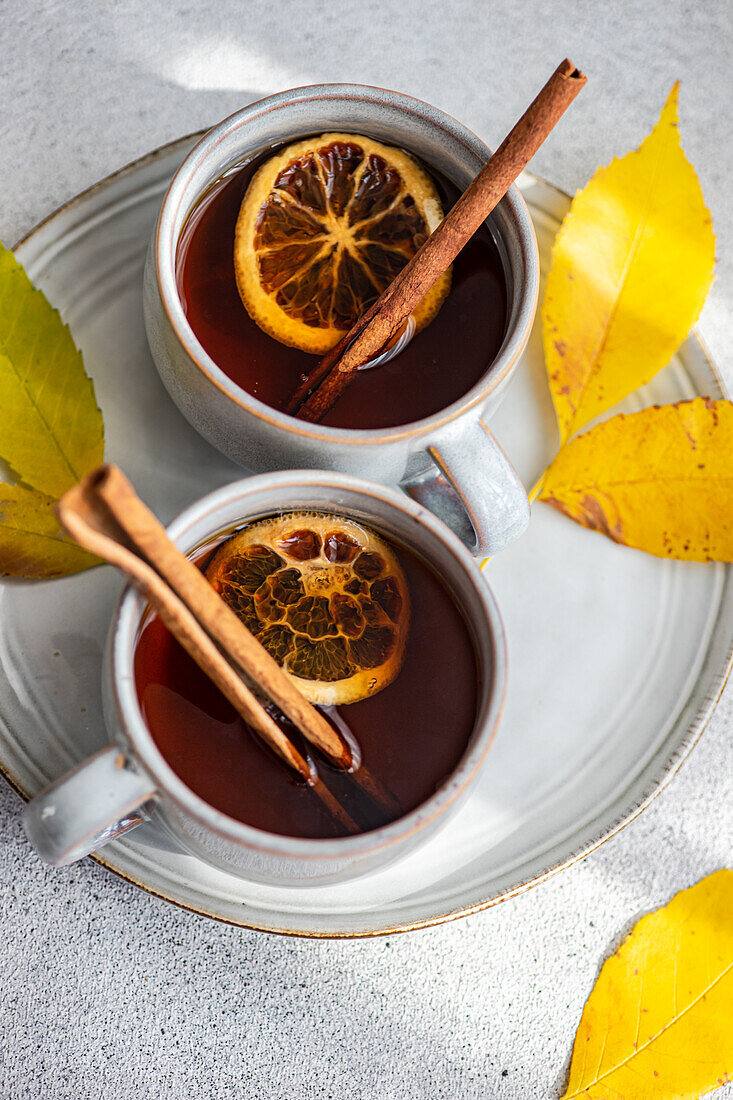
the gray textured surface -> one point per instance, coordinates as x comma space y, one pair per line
107, 992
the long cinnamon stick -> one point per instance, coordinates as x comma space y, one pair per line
91, 524
371, 332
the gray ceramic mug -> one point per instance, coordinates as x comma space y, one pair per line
479, 493
130, 781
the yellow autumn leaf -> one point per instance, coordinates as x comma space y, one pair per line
660, 480
631, 267
32, 543
51, 431
659, 1022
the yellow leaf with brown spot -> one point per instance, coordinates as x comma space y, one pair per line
660, 480
659, 1022
32, 543
631, 267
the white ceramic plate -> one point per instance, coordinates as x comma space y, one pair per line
616, 659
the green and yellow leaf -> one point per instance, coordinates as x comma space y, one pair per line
52, 431
631, 267
32, 543
660, 480
659, 1022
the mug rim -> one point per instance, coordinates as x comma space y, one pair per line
164, 252
124, 634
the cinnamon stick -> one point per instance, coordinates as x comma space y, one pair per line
91, 524
372, 332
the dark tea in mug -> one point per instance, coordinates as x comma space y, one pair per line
365, 628
332, 226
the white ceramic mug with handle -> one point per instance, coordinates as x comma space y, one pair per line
479, 494
131, 781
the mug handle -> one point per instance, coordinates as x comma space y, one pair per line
89, 806
484, 501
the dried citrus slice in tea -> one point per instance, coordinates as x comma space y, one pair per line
324, 595
324, 227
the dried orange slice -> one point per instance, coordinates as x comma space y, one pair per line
324, 595
323, 229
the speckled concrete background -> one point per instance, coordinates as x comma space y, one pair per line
106, 992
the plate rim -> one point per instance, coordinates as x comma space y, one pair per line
695, 728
